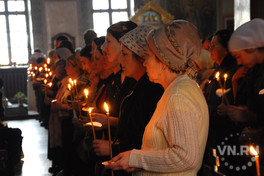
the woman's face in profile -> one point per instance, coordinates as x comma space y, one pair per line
153, 67
112, 49
217, 51
130, 65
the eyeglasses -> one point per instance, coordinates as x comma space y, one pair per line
212, 46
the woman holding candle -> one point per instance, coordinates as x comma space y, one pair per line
174, 139
226, 65
137, 107
247, 45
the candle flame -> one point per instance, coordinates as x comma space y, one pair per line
253, 151
30, 65
28, 72
75, 82
36, 68
70, 80
50, 84
48, 69
106, 107
45, 81
90, 110
45, 65
225, 76
217, 75
46, 75
48, 60
40, 69
86, 92
33, 74
50, 73
69, 86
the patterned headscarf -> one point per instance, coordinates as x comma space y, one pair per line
121, 28
135, 40
176, 44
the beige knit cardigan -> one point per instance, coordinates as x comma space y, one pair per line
174, 140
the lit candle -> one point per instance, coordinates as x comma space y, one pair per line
255, 153
36, 68
91, 119
48, 69
69, 87
50, 84
50, 73
33, 75
45, 83
109, 131
46, 75
71, 82
217, 76
48, 60
86, 92
223, 89
45, 65
40, 69
75, 85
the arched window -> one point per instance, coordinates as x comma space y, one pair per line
107, 12
15, 38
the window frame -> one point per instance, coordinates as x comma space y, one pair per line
6, 13
110, 10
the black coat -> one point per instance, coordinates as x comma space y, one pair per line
136, 110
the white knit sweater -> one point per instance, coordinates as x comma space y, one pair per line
174, 140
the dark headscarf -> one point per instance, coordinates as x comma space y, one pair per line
121, 28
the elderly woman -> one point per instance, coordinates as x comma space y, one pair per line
174, 139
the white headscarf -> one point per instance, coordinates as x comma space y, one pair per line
247, 36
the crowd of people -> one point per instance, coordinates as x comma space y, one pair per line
152, 101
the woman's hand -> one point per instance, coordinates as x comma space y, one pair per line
239, 113
102, 118
101, 147
121, 162
222, 110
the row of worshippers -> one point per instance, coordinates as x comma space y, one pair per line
161, 121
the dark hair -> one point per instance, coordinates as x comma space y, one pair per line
223, 37
61, 38
121, 28
89, 35
99, 42
85, 52
66, 44
37, 50
40, 60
